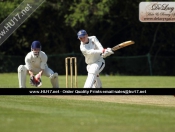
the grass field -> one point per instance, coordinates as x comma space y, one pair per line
124, 113
43, 114
11, 81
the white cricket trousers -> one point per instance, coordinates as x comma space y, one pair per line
93, 79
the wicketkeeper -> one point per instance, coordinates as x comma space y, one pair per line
36, 66
94, 54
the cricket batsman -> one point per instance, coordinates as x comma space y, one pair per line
36, 66
94, 53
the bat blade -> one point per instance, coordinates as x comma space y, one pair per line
121, 45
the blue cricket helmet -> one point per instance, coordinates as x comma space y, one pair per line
36, 44
81, 33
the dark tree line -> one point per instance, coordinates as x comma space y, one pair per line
56, 23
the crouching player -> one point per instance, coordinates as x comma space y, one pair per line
36, 66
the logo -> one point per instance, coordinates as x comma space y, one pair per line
157, 11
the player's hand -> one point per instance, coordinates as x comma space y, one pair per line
110, 50
37, 76
38, 79
107, 52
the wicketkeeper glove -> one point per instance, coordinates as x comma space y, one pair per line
35, 81
107, 52
32, 81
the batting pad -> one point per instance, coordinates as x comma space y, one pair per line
22, 72
97, 83
90, 80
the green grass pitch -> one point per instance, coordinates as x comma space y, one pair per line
11, 81
89, 113
39, 114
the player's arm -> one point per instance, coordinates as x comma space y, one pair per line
31, 73
28, 64
42, 65
105, 51
39, 74
99, 48
97, 43
91, 51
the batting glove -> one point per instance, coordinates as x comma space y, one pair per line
107, 52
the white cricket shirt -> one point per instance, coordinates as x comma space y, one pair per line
33, 62
92, 51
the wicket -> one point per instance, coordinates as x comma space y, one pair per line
71, 60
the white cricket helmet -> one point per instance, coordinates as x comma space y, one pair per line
36, 48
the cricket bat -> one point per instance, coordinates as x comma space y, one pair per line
122, 45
